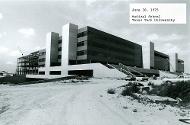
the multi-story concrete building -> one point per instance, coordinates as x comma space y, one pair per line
87, 51
77, 46
161, 61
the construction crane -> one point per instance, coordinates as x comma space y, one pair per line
20, 50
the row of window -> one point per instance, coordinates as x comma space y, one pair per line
20, 72
81, 43
42, 65
42, 60
115, 48
42, 53
93, 51
82, 34
51, 72
60, 49
59, 56
96, 34
82, 52
71, 72
59, 41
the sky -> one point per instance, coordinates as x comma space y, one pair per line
24, 25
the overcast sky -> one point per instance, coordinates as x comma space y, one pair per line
24, 24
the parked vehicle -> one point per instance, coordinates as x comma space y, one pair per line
130, 78
136, 78
142, 78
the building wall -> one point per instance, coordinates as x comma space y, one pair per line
152, 56
106, 48
161, 61
180, 66
96, 67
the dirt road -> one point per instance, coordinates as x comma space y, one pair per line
74, 104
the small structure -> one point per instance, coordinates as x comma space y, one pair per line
4, 74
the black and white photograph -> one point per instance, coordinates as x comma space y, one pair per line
94, 62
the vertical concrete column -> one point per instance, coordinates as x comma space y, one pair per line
176, 62
51, 50
151, 55
173, 62
148, 55
145, 50
69, 43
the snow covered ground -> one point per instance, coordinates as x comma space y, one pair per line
80, 103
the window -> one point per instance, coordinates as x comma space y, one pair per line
42, 60
42, 73
42, 53
81, 72
60, 49
82, 52
55, 72
59, 56
60, 41
80, 43
82, 34
42, 65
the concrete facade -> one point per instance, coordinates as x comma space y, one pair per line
177, 65
52, 49
69, 43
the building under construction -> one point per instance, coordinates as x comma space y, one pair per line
31, 63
